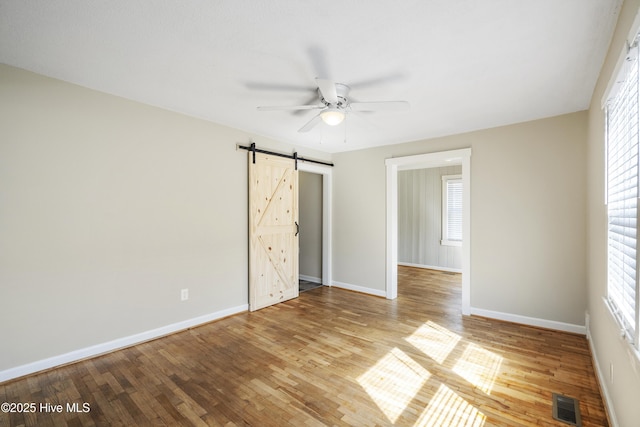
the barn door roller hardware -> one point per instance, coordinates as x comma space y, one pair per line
293, 156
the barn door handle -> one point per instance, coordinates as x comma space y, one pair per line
297, 228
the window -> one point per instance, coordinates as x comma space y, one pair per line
452, 210
622, 120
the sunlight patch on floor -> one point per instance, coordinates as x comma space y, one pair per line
478, 366
393, 382
434, 340
447, 408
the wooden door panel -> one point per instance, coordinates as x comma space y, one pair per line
273, 243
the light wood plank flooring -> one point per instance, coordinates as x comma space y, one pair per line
330, 357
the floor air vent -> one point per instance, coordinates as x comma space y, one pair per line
566, 409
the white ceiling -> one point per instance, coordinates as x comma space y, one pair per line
462, 64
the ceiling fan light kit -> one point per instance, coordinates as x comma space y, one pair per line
334, 104
332, 116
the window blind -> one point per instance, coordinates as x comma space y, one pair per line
622, 119
454, 210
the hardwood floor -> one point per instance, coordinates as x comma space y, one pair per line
329, 357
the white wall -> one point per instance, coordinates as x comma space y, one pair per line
623, 393
420, 219
310, 215
108, 208
527, 216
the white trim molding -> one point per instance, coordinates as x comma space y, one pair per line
327, 222
310, 278
606, 396
431, 267
117, 344
361, 289
529, 321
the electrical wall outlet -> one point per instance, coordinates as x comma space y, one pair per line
184, 294
611, 373
587, 323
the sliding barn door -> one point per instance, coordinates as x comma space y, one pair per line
273, 230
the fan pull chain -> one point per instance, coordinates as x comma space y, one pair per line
345, 130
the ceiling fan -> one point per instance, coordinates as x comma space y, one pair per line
334, 104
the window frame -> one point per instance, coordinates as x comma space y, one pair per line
446, 239
616, 299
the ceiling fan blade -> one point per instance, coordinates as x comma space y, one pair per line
328, 90
290, 107
310, 124
309, 101
376, 81
319, 60
380, 106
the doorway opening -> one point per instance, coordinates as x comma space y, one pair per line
426, 161
310, 237
430, 218
315, 225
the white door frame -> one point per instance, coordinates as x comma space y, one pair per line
424, 161
327, 185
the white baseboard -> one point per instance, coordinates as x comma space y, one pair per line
431, 267
310, 278
606, 397
98, 349
530, 321
361, 289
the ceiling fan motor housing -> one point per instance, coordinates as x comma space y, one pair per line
342, 91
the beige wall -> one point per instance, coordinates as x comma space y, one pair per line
624, 391
310, 215
527, 216
107, 209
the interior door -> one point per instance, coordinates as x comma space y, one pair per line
273, 230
